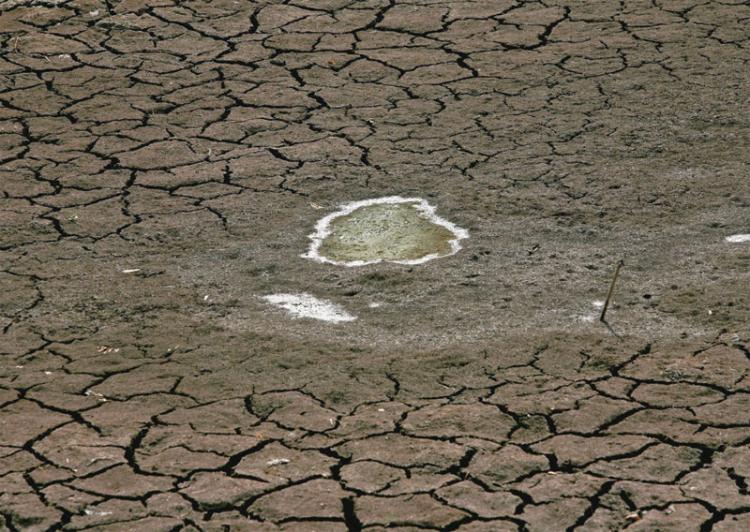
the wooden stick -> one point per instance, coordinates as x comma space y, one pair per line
620, 264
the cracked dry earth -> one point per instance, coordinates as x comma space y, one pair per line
162, 164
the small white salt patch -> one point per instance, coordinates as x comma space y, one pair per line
308, 306
277, 461
374, 305
94, 12
89, 511
589, 318
738, 238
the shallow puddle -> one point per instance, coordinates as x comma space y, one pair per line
394, 229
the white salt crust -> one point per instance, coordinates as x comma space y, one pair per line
322, 230
738, 238
308, 306
589, 318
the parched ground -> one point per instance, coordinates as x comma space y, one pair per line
162, 163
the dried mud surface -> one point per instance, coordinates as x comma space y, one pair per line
161, 166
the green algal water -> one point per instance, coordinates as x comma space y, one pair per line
395, 229
393, 232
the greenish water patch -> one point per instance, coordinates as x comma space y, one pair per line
395, 229
385, 232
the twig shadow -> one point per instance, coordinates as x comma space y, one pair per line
609, 327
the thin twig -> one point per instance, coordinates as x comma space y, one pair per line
620, 264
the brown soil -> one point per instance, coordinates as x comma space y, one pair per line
161, 166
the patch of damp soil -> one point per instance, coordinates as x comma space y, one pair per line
308, 306
393, 229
